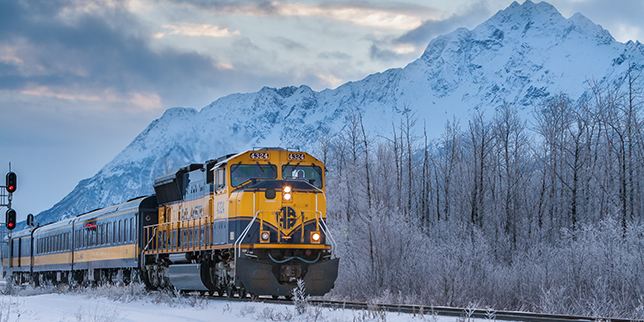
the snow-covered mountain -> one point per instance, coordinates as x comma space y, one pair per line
520, 55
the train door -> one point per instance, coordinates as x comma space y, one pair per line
220, 207
25, 252
31, 246
16, 251
72, 244
148, 219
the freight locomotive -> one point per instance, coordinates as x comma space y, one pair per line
249, 223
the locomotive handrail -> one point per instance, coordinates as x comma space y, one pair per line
154, 233
237, 243
325, 230
321, 223
194, 235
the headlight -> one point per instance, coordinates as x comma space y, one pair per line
265, 236
287, 196
315, 237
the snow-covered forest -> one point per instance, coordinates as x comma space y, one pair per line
520, 208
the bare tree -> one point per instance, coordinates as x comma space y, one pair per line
512, 148
481, 146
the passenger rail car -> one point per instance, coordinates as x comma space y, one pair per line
101, 245
253, 222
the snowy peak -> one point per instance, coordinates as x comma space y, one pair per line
541, 20
586, 26
519, 24
522, 52
517, 15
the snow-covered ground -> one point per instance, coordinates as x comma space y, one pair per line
112, 304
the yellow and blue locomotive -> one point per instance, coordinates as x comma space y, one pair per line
253, 222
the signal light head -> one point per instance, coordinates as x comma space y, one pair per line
11, 182
10, 219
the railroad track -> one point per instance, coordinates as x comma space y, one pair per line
430, 310
444, 311
462, 312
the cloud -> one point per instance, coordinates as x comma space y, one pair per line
221, 65
378, 53
622, 18
398, 16
408, 45
370, 16
429, 29
330, 80
334, 55
49, 49
289, 44
146, 101
194, 30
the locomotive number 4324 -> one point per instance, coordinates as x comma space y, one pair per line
296, 156
259, 155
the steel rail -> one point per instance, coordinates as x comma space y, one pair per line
463, 312
441, 311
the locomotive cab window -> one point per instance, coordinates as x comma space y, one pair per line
310, 173
241, 173
220, 178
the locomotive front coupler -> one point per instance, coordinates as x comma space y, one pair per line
250, 254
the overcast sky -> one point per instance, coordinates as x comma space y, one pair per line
79, 79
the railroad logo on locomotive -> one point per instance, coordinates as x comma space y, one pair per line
221, 207
287, 217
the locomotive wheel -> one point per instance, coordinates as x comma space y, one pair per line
152, 278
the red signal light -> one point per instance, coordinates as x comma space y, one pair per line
10, 219
11, 182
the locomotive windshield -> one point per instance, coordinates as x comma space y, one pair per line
310, 173
240, 173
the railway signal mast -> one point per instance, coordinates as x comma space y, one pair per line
6, 194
